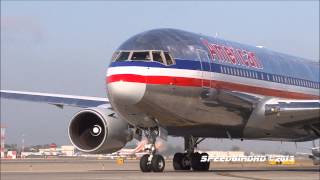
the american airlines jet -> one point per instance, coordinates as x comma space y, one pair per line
168, 82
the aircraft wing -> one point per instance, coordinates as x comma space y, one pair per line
290, 113
58, 100
296, 113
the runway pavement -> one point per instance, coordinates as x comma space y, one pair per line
82, 169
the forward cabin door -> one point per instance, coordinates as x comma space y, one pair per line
205, 68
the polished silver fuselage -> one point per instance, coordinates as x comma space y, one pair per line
197, 111
192, 100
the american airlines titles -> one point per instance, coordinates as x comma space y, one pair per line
230, 55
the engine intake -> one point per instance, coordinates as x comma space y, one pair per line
98, 131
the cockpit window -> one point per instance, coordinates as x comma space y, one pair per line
157, 56
115, 55
143, 56
123, 56
168, 58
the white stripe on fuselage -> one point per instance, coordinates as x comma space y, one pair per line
155, 71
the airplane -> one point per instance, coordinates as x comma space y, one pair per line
130, 152
140, 150
127, 152
170, 82
314, 155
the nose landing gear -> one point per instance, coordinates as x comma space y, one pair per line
181, 161
152, 161
190, 159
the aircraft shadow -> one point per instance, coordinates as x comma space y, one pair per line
225, 170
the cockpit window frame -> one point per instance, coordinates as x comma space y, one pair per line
172, 59
133, 51
119, 53
115, 55
162, 54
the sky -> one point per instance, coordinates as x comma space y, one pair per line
66, 46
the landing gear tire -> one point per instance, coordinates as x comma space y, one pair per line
190, 159
177, 158
157, 163
195, 161
181, 162
204, 165
145, 166
197, 165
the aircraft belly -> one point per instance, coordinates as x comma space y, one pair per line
183, 106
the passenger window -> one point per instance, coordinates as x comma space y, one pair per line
123, 56
157, 56
141, 56
168, 58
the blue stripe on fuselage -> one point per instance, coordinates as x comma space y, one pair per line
215, 67
180, 64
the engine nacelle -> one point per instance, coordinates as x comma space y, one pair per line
98, 131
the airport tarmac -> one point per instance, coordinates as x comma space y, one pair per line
83, 169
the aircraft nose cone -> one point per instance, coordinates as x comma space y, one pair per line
126, 93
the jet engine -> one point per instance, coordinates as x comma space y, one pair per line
98, 131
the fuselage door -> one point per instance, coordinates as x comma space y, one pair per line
205, 68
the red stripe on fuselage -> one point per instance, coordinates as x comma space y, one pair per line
195, 82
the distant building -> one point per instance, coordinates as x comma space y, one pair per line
65, 150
